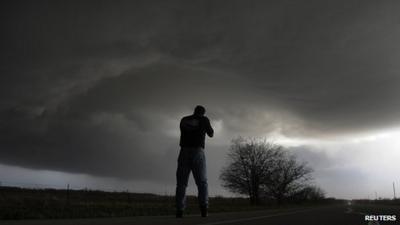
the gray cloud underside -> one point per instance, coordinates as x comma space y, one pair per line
99, 88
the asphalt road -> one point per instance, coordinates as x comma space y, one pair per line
324, 215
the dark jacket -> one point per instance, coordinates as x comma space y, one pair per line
194, 129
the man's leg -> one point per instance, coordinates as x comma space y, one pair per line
182, 178
200, 176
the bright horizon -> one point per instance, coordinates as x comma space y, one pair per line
375, 184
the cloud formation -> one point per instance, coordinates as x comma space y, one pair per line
99, 87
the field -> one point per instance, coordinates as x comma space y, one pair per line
22, 203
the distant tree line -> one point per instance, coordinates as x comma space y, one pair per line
263, 170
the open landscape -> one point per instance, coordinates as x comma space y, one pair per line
22, 206
23, 203
326, 214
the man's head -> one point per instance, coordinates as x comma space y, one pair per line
199, 110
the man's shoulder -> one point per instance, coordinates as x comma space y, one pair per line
199, 118
187, 117
190, 120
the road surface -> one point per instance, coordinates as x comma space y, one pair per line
323, 215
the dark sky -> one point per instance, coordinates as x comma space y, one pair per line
99, 87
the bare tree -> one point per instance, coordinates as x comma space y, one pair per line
313, 193
308, 193
287, 176
249, 163
261, 168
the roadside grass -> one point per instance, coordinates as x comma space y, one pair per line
377, 207
23, 203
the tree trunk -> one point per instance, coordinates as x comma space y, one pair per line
254, 199
279, 199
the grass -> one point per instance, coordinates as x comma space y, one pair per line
377, 207
23, 203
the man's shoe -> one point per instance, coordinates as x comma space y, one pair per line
179, 213
204, 211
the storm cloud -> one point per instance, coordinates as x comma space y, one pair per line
98, 87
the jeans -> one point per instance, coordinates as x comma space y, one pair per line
191, 159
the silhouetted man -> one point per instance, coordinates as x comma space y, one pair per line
192, 159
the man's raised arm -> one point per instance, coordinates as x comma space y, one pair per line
209, 129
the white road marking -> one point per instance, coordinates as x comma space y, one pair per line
255, 218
